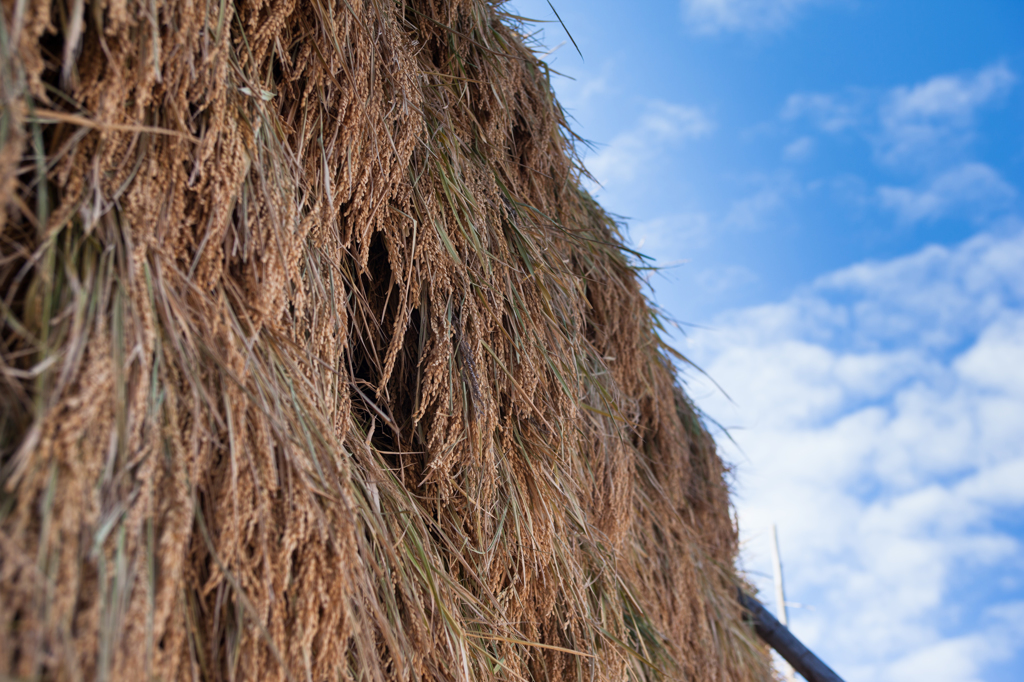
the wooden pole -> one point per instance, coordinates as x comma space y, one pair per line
778, 637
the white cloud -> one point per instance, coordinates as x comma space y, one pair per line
590, 88
971, 185
923, 125
761, 209
716, 16
831, 113
799, 149
673, 239
937, 114
751, 213
630, 151
880, 413
670, 237
579, 94
952, 97
726, 278
589, 85
962, 658
997, 362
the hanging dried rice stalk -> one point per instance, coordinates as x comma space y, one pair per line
319, 364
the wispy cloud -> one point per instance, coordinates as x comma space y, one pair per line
799, 149
937, 114
717, 16
926, 124
972, 187
670, 237
964, 658
881, 429
762, 208
830, 113
661, 124
754, 211
718, 280
591, 86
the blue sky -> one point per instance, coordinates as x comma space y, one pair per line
834, 190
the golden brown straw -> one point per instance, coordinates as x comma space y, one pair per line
319, 364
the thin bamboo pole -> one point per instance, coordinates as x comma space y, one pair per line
780, 596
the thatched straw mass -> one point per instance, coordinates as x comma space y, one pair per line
319, 364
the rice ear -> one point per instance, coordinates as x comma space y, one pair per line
319, 363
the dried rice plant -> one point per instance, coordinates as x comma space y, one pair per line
318, 363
